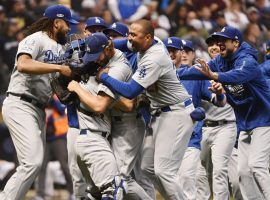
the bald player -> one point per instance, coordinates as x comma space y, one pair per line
29, 91
170, 104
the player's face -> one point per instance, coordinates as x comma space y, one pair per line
114, 35
137, 37
227, 47
103, 59
175, 55
62, 31
213, 49
187, 57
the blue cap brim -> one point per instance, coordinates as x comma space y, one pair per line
110, 29
72, 21
90, 57
219, 34
172, 46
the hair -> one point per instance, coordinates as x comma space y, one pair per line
147, 26
43, 24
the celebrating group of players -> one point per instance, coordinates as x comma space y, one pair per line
146, 118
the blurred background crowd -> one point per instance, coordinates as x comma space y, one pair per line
188, 19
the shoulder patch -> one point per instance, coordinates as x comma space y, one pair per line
142, 72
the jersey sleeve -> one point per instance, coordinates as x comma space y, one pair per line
147, 73
30, 45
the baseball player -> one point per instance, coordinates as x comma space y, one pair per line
127, 144
39, 54
170, 104
265, 65
248, 93
95, 24
219, 135
96, 158
187, 172
183, 55
119, 32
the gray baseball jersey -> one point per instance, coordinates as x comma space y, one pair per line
25, 121
41, 48
215, 113
157, 74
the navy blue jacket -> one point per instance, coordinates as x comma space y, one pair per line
246, 88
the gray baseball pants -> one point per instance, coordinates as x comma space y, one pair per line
79, 183
127, 139
171, 133
26, 124
219, 141
233, 175
188, 171
253, 163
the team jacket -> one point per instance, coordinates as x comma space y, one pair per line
246, 88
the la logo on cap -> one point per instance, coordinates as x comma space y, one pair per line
97, 20
184, 42
169, 41
59, 15
114, 25
223, 30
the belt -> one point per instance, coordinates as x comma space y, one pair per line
89, 113
120, 118
103, 134
208, 123
169, 109
28, 99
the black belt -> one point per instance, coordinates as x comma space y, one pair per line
119, 118
208, 123
28, 99
89, 113
103, 134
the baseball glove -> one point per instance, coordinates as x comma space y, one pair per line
59, 87
142, 101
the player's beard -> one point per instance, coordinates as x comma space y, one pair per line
61, 37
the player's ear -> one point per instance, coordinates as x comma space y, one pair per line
56, 23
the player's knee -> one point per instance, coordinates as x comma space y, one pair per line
220, 171
114, 190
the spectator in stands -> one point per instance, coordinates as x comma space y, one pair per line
128, 11
234, 15
253, 35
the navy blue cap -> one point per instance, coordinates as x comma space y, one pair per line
95, 44
210, 38
268, 45
120, 28
230, 32
187, 44
173, 42
59, 12
95, 21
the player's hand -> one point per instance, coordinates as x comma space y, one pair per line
66, 70
205, 69
73, 86
216, 88
101, 71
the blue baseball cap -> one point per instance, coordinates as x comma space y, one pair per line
95, 44
59, 12
268, 45
173, 42
95, 21
230, 32
120, 28
187, 44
